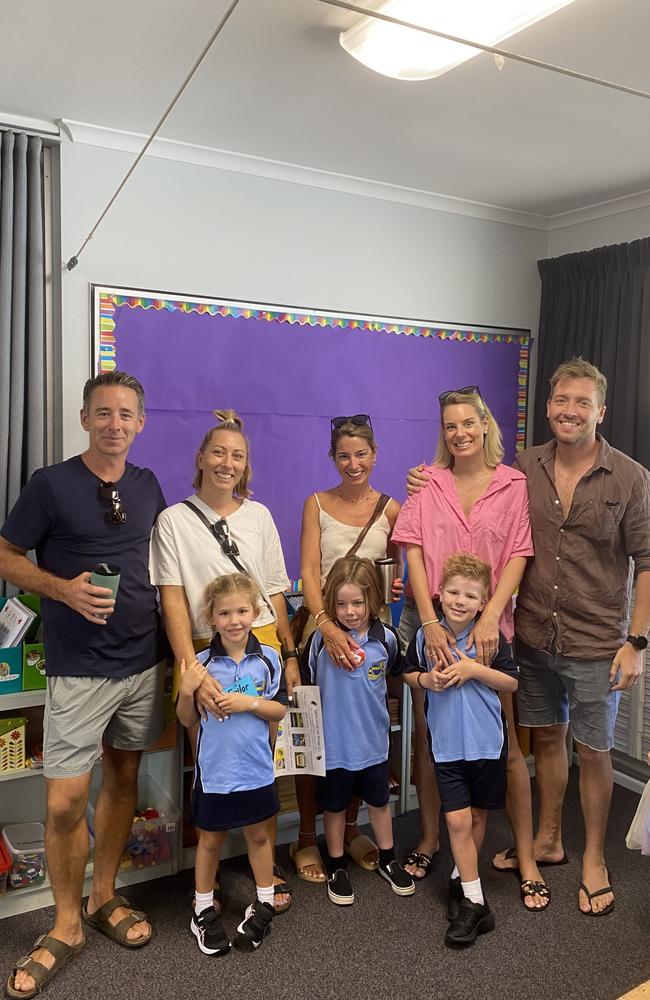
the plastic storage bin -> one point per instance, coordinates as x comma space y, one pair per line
5, 866
151, 841
26, 845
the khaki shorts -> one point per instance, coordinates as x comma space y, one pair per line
80, 712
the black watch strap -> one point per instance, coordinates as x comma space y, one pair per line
638, 641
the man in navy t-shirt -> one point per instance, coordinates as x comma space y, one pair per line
104, 660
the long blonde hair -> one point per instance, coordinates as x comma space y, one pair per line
229, 420
492, 441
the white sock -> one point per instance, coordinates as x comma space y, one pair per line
203, 901
455, 873
265, 895
473, 891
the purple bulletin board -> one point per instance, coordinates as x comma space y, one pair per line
287, 371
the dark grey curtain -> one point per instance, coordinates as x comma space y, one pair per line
597, 304
22, 325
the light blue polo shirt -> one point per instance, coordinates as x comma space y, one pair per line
235, 755
464, 723
356, 723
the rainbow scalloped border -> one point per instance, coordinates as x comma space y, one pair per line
108, 303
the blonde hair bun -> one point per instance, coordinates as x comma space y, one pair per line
229, 419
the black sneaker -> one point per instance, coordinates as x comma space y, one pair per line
400, 881
339, 887
254, 927
210, 935
453, 899
471, 920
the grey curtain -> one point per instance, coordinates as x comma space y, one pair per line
597, 304
22, 314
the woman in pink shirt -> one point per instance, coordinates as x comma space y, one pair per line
469, 502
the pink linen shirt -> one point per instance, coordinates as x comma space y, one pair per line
497, 530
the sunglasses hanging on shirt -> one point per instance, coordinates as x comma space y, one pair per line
109, 494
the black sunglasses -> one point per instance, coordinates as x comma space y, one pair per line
221, 532
359, 420
467, 390
109, 493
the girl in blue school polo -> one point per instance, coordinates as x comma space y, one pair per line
233, 780
356, 722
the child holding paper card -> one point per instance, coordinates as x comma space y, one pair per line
233, 782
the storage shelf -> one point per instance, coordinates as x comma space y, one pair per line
16, 901
22, 772
22, 699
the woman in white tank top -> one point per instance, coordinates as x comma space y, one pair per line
331, 523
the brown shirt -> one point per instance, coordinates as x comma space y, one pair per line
574, 598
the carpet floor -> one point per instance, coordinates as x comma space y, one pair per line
384, 946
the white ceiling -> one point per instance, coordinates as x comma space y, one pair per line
277, 85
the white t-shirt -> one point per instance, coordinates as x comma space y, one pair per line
184, 554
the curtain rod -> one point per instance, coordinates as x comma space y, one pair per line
74, 260
42, 133
505, 53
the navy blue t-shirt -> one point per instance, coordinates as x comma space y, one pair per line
60, 514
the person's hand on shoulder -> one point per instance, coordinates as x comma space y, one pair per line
417, 479
341, 647
485, 636
438, 645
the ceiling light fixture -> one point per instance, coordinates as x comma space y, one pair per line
407, 54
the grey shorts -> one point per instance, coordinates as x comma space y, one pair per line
409, 623
82, 711
554, 690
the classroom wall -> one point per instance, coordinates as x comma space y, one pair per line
623, 227
194, 229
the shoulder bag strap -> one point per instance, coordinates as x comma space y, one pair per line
234, 560
380, 506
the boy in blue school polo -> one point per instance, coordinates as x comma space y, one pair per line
356, 722
467, 736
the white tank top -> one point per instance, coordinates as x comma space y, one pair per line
336, 539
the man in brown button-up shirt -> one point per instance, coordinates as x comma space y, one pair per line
576, 645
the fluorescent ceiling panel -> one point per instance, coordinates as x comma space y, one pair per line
411, 55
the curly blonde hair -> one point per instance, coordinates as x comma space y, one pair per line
229, 420
222, 586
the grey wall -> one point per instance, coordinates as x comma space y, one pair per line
193, 229
624, 227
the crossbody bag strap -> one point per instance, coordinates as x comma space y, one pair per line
234, 560
380, 506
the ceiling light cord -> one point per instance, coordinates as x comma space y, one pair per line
504, 53
74, 260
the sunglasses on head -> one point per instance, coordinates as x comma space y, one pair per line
467, 390
359, 420
109, 494
221, 532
